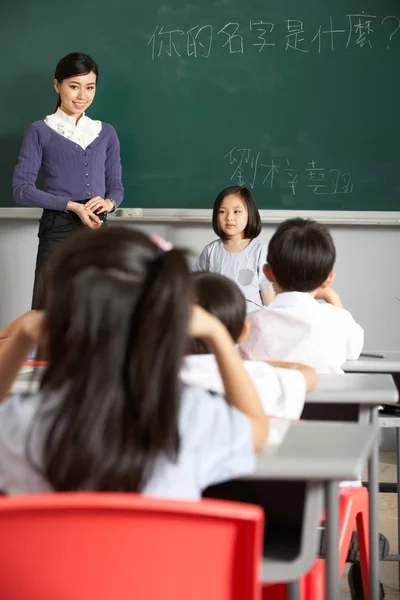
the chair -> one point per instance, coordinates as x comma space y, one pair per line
84, 546
353, 510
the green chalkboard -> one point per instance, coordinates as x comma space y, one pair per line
299, 100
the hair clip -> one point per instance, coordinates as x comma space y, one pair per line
161, 243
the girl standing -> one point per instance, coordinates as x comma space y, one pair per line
79, 158
238, 254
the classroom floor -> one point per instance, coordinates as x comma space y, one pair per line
387, 526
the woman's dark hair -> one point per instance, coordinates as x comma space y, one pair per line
222, 298
301, 254
116, 315
253, 228
73, 65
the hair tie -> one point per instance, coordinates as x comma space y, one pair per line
162, 244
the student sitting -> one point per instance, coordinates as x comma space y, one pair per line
111, 414
281, 390
295, 326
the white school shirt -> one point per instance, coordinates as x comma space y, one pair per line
295, 327
216, 444
82, 133
245, 268
281, 391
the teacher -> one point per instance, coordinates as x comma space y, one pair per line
79, 158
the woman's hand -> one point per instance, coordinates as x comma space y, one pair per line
99, 205
87, 216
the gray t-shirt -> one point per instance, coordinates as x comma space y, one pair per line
216, 444
245, 268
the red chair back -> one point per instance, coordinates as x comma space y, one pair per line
128, 547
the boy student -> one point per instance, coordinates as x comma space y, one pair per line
281, 390
280, 386
295, 326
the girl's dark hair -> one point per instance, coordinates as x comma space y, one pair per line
253, 228
301, 254
222, 298
75, 64
116, 315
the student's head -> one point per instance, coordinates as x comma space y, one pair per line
222, 298
301, 255
75, 81
235, 214
116, 316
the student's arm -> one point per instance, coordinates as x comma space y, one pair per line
239, 389
10, 329
268, 294
14, 350
308, 373
330, 296
26, 172
354, 332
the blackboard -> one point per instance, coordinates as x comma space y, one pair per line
298, 100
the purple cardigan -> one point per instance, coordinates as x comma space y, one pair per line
70, 172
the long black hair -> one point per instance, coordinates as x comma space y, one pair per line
73, 65
116, 314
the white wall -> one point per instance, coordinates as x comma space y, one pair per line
368, 271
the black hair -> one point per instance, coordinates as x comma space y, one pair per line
116, 317
301, 254
222, 298
253, 227
75, 64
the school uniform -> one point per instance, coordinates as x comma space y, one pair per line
281, 391
78, 162
245, 268
295, 327
216, 444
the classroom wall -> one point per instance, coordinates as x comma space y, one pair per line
368, 270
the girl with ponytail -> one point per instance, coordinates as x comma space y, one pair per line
111, 414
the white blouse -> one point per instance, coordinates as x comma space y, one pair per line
82, 133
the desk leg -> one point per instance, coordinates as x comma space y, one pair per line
332, 540
373, 488
398, 496
294, 590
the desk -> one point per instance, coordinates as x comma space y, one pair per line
389, 364
309, 451
356, 397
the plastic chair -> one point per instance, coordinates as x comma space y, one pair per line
353, 510
127, 546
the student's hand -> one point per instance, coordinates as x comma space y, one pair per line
330, 296
88, 217
202, 324
32, 325
99, 205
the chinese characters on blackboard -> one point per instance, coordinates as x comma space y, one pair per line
258, 35
249, 167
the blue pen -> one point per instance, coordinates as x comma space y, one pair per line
367, 355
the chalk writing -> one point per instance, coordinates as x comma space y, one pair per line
293, 39
248, 169
358, 30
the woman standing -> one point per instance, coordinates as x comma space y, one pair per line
79, 157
